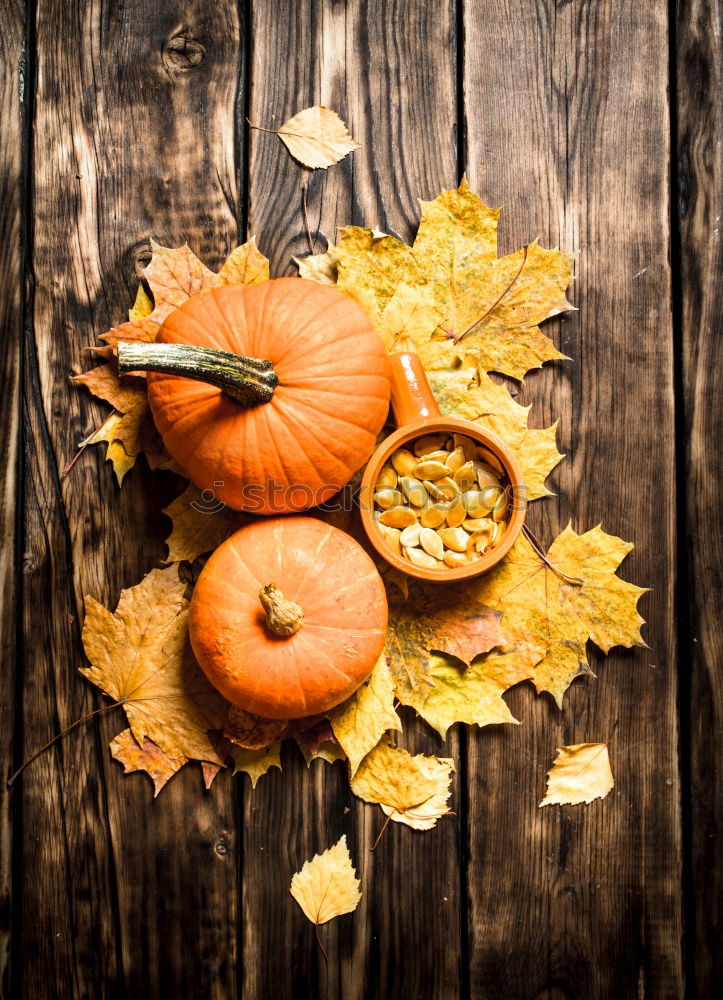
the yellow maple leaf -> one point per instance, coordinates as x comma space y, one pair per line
256, 763
146, 757
410, 790
140, 657
361, 721
316, 137
327, 886
473, 395
374, 264
581, 773
142, 307
572, 596
318, 267
446, 620
473, 694
200, 524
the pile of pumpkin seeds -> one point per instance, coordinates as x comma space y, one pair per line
442, 501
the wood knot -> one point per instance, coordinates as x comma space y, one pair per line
182, 53
142, 257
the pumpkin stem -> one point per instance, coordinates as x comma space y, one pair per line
246, 380
282, 617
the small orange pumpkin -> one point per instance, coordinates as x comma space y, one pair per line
275, 435
288, 617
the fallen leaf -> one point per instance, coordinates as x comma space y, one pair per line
581, 773
147, 757
363, 719
139, 656
317, 742
115, 453
199, 524
251, 731
376, 265
142, 307
573, 597
319, 267
210, 772
317, 137
410, 790
449, 620
245, 265
473, 395
473, 694
327, 886
256, 763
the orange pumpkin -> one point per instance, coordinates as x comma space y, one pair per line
285, 387
288, 617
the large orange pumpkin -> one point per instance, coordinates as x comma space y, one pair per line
288, 389
288, 617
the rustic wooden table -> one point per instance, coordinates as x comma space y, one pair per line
597, 124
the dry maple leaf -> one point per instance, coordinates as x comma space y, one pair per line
472, 395
147, 757
200, 523
316, 137
410, 790
450, 620
251, 731
562, 601
327, 886
140, 657
318, 267
210, 772
581, 773
363, 719
372, 267
256, 763
473, 694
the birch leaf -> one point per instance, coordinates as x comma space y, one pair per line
317, 137
327, 886
581, 773
410, 790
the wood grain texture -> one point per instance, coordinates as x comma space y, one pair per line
12, 219
389, 70
700, 206
133, 137
567, 124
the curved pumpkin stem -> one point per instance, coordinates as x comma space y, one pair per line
283, 617
246, 380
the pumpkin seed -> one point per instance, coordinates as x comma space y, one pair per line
457, 513
500, 529
465, 477
431, 542
421, 559
414, 491
455, 559
475, 503
455, 459
428, 443
431, 469
437, 456
454, 538
499, 511
485, 455
434, 515
443, 489
387, 498
480, 540
478, 524
404, 462
398, 517
392, 537
485, 475
410, 536
387, 478
467, 445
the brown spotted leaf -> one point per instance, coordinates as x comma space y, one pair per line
147, 757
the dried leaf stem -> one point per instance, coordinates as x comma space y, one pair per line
304, 189
532, 539
495, 304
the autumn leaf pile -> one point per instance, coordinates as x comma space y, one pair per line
452, 652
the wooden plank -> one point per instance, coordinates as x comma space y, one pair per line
12, 189
700, 202
134, 136
567, 125
404, 939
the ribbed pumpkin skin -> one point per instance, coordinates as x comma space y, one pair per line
345, 616
321, 425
